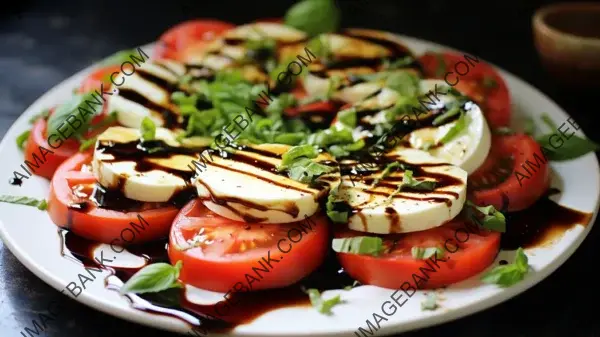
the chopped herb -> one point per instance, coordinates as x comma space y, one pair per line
148, 129
399, 63
313, 16
153, 278
43, 114
22, 138
493, 219
387, 170
296, 152
453, 111
549, 122
353, 285
404, 82
503, 130
86, 144
459, 126
430, 302
509, 274
322, 306
334, 83
528, 126
299, 165
489, 82
343, 150
410, 182
337, 216
362, 245
347, 117
420, 253
84, 106
13, 199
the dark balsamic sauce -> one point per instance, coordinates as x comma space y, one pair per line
171, 118
541, 223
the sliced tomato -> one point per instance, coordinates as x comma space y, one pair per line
99, 77
186, 34
37, 150
515, 174
478, 80
468, 253
69, 206
228, 251
321, 107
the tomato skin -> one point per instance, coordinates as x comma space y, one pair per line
321, 106
97, 224
520, 190
495, 101
463, 260
99, 77
301, 258
185, 34
50, 161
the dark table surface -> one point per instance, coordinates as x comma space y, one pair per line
42, 43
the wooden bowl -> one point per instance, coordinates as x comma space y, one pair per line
567, 38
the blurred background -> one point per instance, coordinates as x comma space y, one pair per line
44, 42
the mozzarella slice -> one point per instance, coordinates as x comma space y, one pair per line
149, 86
469, 148
406, 211
245, 186
158, 183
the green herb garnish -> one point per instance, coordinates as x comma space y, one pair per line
509, 274
362, 245
148, 129
13, 199
153, 278
22, 138
81, 106
420, 253
387, 171
456, 129
409, 182
493, 219
313, 16
322, 306
571, 148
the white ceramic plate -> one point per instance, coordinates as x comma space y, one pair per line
33, 238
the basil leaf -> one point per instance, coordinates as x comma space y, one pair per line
22, 138
80, 106
148, 129
493, 219
528, 126
43, 114
548, 121
305, 170
453, 111
296, 152
409, 182
420, 253
347, 117
489, 82
322, 306
334, 212
404, 82
460, 125
430, 302
571, 148
399, 63
509, 274
313, 16
86, 144
13, 199
153, 278
362, 245
343, 150
386, 171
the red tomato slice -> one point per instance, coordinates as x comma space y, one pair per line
185, 34
468, 253
323, 107
69, 208
229, 250
99, 77
514, 175
480, 81
38, 139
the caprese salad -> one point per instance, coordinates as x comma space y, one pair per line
288, 141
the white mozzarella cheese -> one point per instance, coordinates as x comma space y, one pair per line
406, 211
246, 186
155, 185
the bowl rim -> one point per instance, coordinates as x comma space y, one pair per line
540, 24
